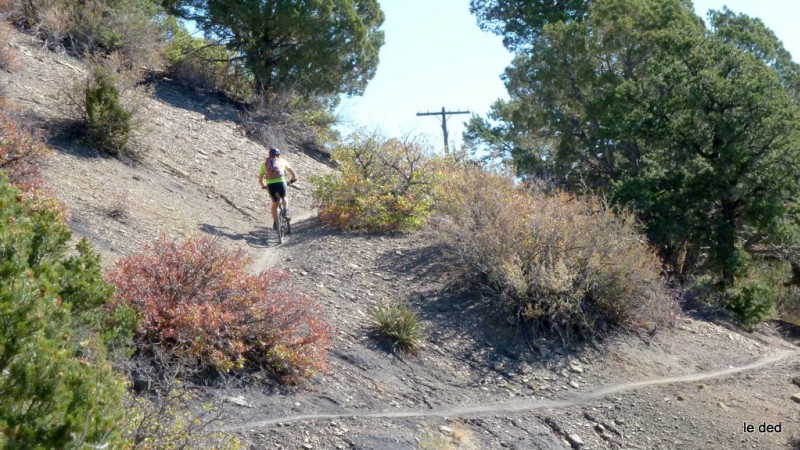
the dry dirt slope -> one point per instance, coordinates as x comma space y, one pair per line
474, 385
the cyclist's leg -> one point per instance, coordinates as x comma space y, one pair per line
280, 192
274, 193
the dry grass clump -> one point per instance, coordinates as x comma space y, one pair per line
397, 324
570, 266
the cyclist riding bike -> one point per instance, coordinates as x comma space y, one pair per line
271, 176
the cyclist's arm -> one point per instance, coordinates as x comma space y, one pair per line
261, 177
292, 173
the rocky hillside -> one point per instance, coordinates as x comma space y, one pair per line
476, 384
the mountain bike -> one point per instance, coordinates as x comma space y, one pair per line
284, 223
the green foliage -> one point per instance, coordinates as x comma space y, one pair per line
521, 21
751, 302
379, 185
108, 122
566, 266
324, 47
203, 64
689, 126
58, 389
199, 305
397, 324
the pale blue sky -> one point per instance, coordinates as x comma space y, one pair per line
435, 55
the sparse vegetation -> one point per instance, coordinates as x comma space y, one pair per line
21, 154
380, 185
568, 266
458, 437
198, 304
129, 28
7, 57
397, 324
165, 412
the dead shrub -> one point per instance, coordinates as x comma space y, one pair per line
570, 266
119, 207
163, 410
277, 119
198, 304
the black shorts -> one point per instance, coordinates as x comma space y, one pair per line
277, 191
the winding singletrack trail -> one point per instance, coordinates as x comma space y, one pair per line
269, 257
522, 405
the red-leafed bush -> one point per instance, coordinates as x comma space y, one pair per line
198, 303
21, 153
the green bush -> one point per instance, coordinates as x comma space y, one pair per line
397, 324
380, 185
568, 266
58, 389
108, 122
751, 302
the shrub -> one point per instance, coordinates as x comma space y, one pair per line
569, 265
198, 304
278, 119
108, 123
58, 389
380, 185
21, 154
751, 302
107, 107
205, 65
164, 412
397, 324
130, 28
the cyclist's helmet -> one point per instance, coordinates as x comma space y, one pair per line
274, 152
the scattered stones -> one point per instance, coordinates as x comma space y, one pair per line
796, 397
575, 441
239, 400
575, 367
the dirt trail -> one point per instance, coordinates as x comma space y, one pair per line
522, 405
270, 256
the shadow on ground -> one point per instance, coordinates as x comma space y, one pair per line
216, 107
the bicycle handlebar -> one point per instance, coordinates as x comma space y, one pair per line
290, 183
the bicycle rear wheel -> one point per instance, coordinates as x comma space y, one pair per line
281, 224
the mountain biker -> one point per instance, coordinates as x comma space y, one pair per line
271, 176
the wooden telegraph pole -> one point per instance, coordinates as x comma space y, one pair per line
444, 115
